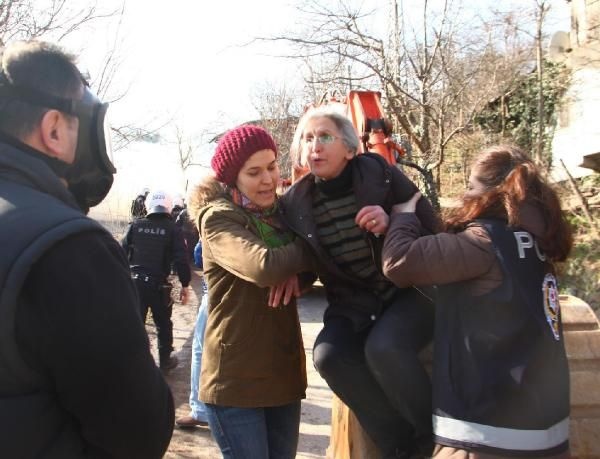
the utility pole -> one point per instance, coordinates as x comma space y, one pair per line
395, 41
540, 14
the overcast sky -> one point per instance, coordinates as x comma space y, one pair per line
186, 60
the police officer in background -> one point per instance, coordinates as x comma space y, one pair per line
189, 231
75, 365
153, 244
138, 205
178, 206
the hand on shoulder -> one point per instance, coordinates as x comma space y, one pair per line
409, 206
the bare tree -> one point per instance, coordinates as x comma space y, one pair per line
53, 19
279, 112
186, 148
63, 21
191, 147
540, 14
435, 78
531, 23
57, 20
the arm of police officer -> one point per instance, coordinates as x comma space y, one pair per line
181, 263
80, 327
403, 189
408, 258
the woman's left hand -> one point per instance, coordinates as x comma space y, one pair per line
284, 291
373, 219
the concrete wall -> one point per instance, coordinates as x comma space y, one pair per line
578, 130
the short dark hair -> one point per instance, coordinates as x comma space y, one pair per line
41, 66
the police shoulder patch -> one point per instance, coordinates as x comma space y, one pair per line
551, 304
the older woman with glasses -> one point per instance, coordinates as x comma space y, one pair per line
373, 331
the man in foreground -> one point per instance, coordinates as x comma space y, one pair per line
76, 375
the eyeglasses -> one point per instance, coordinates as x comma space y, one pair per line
323, 139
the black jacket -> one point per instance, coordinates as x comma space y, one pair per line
500, 373
374, 182
74, 356
155, 243
188, 229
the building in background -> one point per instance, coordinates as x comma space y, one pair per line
577, 137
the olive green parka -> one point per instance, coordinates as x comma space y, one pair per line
253, 354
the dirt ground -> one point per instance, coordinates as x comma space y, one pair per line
316, 408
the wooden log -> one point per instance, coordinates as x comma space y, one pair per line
348, 439
582, 342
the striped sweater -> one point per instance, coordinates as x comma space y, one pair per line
334, 210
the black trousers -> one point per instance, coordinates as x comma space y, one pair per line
378, 374
154, 298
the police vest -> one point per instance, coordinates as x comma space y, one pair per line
500, 376
32, 421
150, 245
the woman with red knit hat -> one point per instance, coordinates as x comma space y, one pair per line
253, 365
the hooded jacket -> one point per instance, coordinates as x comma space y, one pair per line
253, 354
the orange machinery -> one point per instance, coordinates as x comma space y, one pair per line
366, 112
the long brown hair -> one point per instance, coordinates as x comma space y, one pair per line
512, 179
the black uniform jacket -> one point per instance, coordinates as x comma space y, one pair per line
76, 375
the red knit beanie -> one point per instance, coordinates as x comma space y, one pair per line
234, 149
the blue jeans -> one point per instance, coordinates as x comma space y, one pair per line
256, 433
197, 407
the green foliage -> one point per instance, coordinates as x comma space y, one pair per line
580, 275
519, 118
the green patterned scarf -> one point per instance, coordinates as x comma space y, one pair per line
266, 221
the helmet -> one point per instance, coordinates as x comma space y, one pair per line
178, 201
158, 202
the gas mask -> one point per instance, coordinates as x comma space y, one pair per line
90, 176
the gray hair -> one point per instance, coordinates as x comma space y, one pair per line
342, 123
